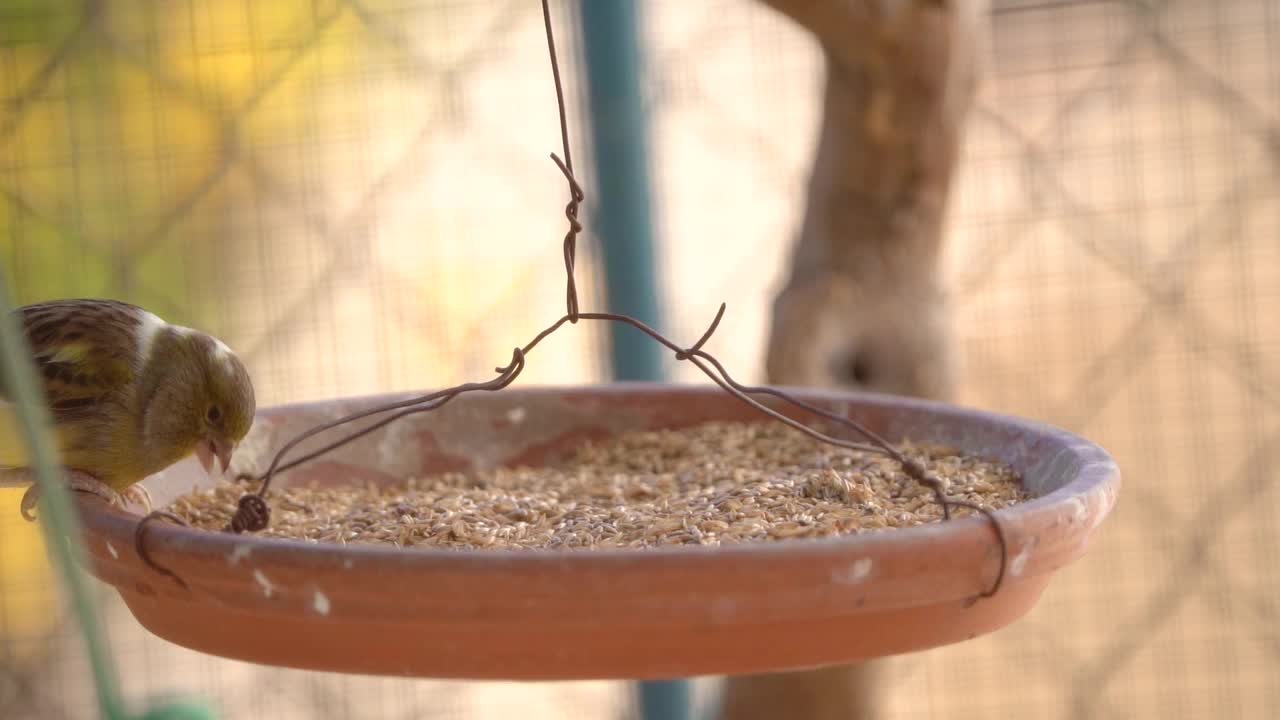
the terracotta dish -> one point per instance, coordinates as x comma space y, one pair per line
656, 613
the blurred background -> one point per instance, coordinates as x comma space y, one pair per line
356, 195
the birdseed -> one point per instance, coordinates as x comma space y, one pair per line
707, 485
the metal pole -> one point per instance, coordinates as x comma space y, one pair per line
623, 223
622, 213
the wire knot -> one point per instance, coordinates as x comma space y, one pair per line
576, 196
252, 514
916, 470
696, 348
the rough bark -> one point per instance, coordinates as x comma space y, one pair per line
864, 304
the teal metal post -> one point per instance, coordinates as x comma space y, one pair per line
622, 219
621, 213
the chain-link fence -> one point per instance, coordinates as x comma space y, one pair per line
1114, 266
356, 195
1117, 273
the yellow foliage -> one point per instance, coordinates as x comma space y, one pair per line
28, 591
95, 154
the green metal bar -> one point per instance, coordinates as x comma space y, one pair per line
623, 222
57, 519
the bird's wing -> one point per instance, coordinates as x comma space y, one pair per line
84, 350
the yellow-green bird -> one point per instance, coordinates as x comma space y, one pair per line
130, 395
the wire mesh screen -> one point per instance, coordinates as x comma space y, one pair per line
356, 196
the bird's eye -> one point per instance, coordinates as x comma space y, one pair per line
214, 414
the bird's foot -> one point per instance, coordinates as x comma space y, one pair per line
29, 500
80, 482
86, 483
138, 495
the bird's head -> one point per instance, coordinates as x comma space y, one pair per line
205, 402
228, 407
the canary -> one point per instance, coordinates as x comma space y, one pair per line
130, 395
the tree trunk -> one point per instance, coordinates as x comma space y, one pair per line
864, 304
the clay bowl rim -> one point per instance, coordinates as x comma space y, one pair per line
1096, 470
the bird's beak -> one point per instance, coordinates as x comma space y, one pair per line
215, 447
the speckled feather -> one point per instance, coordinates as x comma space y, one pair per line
86, 352
104, 364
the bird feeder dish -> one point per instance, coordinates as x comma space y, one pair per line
644, 613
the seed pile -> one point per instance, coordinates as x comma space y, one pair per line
711, 484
